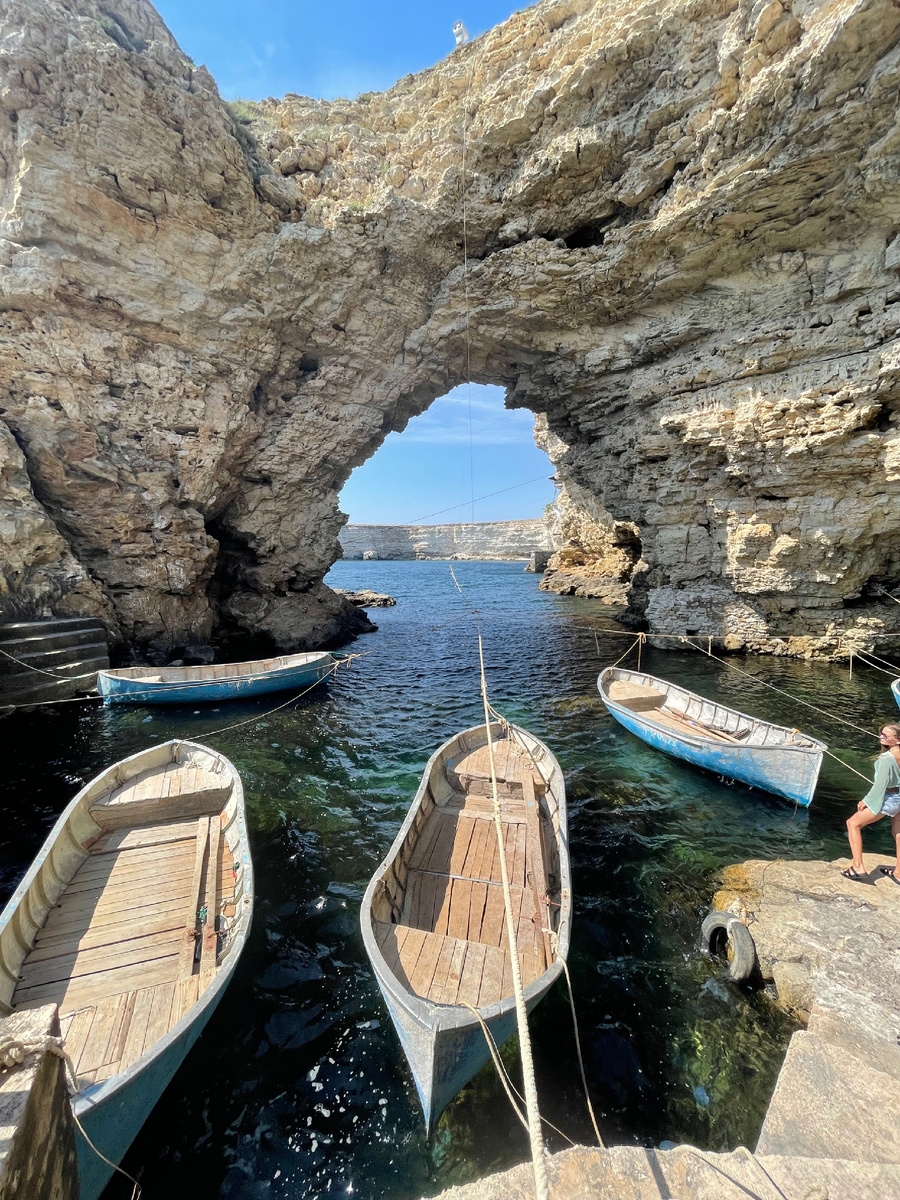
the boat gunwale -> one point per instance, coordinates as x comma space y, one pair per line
95, 1094
442, 1017
313, 658
699, 739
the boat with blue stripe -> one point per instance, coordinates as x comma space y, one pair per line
220, 681
132, 919
710, 735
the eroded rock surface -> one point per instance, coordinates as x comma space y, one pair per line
683, 246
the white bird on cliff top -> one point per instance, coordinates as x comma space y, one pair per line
460, 33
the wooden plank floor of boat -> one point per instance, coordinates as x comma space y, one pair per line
450, 945
117, 952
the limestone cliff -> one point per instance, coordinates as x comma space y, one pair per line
683, 235
489, 540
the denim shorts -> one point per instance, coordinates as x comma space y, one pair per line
891, 805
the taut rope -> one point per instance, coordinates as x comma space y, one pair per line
542, 1187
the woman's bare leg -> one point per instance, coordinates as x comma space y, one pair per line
855, 826
895, 830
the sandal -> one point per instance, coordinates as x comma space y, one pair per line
856, 876
889, 871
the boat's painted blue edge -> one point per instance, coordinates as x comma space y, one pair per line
748, 764
117, 690
895, 688
113, 1112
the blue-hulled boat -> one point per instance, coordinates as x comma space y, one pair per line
895, 688
721, 739
132, 919
222, 681
433, 916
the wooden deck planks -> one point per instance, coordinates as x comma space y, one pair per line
91, 935
492, 975
144, 836
102, 958
64, 920
451, 947
408, 954
450, 989
189, 936
470, 979
137, 1029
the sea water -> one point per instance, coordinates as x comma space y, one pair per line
298, 1087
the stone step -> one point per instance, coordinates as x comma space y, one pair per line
827, 1178
62, 662
829, 1103
685, 1173
880, 1052
18, 630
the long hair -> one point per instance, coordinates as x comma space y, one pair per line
895, 731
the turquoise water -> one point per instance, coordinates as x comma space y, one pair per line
298, 1087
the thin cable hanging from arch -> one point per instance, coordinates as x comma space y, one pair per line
465, 225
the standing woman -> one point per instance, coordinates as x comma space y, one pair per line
882, 800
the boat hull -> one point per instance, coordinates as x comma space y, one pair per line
444, 1057
113, 1121
444, 1043
116, 690
786, 770
113, 1111
895, 688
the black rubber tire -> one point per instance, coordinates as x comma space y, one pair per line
723, 932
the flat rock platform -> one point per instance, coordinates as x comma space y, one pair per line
832, 1131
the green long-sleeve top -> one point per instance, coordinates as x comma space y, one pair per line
887, 775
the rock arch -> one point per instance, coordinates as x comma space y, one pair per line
683, 229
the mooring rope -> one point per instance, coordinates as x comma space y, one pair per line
41, 671
870, 654
14, 1051
587, 1094
261, 716
538, 1161
862, 657
515, 1096
796, 699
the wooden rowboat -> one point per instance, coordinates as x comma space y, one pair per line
132, 919
222, 681
433, 916
713, 736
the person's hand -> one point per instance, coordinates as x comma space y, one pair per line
861, 806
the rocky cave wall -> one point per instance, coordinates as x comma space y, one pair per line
683, 257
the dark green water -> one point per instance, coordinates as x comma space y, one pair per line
298, 1087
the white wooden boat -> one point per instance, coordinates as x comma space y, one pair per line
131, 919
433, 916
722, 739
219, 681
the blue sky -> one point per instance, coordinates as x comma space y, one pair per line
342, 49
326, 50
432, 466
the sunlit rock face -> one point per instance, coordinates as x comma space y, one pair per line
682, 228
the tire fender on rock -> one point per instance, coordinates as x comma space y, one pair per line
723, 932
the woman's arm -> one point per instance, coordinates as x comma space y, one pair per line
874, 798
